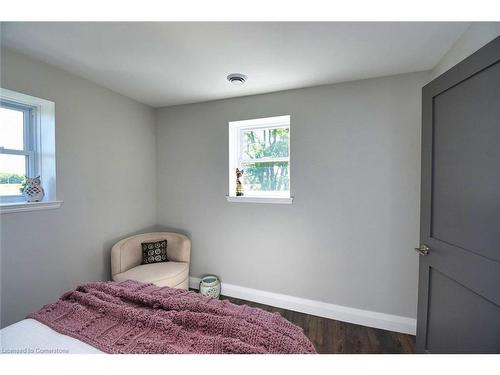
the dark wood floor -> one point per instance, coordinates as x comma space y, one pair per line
333, 336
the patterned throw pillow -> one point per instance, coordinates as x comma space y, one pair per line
154, 252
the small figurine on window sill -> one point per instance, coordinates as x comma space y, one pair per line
239, 185
33, 191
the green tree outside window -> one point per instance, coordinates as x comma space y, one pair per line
261, 174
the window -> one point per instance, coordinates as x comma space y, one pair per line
17, 147
261, 148
27, 149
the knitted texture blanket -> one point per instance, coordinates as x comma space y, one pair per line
132, 317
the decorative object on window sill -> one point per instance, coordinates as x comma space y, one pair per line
210, 286
33, 191
239, 185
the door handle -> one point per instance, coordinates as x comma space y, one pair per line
423, 250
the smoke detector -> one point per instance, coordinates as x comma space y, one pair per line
237, 79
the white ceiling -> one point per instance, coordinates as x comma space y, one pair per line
170, 63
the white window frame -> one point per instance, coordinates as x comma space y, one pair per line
39, 146
236, 129
30, 145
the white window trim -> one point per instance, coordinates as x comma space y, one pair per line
245, 199
9, 208
30, 146
43, 126
235, 128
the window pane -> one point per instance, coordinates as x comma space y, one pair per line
11, 128
12, 172
265, 143
268, 176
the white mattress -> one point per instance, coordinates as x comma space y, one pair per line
30, 336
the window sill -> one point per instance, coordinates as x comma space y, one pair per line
7, 208
272, 200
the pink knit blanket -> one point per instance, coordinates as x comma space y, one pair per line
132, 317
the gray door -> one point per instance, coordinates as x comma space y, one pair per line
459, 278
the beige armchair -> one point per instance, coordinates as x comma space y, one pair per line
126, 259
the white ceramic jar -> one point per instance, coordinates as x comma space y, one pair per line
210, 286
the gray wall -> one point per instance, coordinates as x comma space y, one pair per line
475, 37
355, 166
105, 146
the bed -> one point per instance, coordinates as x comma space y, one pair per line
29, 336
131, 317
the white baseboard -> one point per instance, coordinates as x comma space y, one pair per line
326, 310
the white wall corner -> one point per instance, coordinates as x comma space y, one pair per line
476, 36
323, 309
